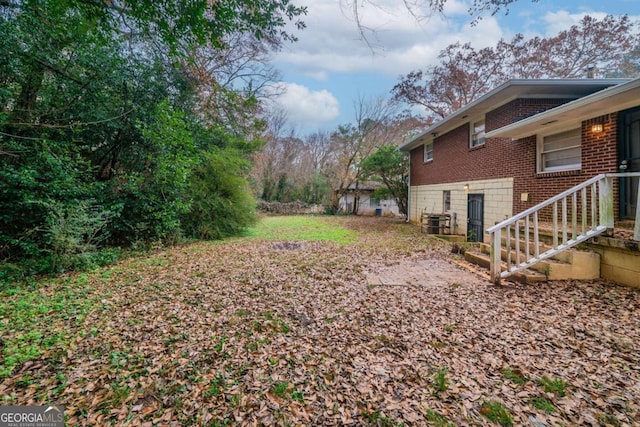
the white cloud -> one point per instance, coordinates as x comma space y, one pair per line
555, 22
305, 107
456, 7
398, 44
331, 49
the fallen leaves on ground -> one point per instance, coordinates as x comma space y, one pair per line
386, 331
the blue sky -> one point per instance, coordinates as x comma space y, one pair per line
331, 67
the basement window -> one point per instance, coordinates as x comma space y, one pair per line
560, 152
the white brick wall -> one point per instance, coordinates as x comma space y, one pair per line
498, 200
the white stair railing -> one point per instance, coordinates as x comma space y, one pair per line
576, 214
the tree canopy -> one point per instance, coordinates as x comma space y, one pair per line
109, 135
607, 47
390, 166
421, 9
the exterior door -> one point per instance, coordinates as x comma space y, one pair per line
629, 160
475, 215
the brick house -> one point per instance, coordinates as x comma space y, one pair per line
564, 152
521, 143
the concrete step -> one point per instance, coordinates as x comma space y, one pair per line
526, 276
570, 264
542, 247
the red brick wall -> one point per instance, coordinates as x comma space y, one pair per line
599, 155
454, 161
519, 109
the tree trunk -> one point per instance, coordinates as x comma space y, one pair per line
356, 199
26, 103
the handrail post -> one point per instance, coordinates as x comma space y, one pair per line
574, 216
564, 221
594, 208
526, 239
555, 225
636, 227
606, 203
495, 257
584, 211
536, 234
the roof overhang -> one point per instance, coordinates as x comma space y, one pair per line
512, 89
613, 99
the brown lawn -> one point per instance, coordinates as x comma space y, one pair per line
383, 331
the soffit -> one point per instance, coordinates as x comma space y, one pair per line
550, 88
572, 114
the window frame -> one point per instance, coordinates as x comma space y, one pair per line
540, 153
446, 200
426, 158
477, 136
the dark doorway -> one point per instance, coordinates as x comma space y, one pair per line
475, 216
629, 160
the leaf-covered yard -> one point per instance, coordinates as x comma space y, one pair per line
372, 326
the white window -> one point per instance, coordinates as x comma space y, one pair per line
446, 201
561, 151
428, 152
477, 134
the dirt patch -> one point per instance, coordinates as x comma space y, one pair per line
288, 246
434, 270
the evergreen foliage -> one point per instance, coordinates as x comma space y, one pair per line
391, 167
103, 141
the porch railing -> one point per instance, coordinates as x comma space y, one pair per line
576, 215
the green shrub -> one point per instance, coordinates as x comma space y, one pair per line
222, 204
74, 233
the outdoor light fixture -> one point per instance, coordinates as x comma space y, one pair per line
597, 127
466, 187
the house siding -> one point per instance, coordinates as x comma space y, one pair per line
500, 158
599, 155
366, 205
498, 201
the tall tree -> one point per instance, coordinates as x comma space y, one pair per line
350, 144
377, 124
390, 166
232, 79
100, 118
464, 73
423, 9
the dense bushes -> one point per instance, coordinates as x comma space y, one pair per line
57, 213
222, 204
104, 141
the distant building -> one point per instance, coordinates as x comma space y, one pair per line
362, 194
